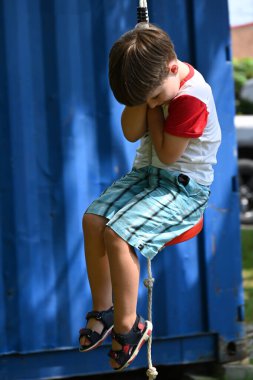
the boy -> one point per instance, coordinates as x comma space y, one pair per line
164, 195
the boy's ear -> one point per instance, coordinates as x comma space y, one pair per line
174, 69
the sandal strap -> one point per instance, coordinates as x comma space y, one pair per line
94, 314
134, 334
121, 357
93, 336
106, 317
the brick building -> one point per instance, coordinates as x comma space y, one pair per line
242, 40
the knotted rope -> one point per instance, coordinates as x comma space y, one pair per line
148, 282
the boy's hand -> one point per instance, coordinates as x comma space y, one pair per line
155, 117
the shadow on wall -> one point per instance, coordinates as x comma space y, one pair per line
63, 145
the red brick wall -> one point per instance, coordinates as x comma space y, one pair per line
242, 41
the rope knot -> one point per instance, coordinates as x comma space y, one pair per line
152, 373
148, 282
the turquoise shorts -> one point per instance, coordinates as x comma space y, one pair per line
148, 207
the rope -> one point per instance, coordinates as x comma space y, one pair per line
148, 282
143, 3
142, 13
143, 22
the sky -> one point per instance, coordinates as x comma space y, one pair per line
240, 12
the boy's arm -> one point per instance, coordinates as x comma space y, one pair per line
134, 122
168, 147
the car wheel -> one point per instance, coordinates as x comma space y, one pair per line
246, 190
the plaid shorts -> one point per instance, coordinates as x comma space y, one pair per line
148, 207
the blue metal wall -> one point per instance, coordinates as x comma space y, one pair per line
61, 145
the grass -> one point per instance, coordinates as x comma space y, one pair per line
247, 257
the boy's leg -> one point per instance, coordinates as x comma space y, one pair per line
97, 268
108, 204
125, 271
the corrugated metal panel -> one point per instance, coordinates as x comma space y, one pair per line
61, 145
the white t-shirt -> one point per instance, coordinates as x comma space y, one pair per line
191, 114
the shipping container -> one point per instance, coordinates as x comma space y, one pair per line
61, 145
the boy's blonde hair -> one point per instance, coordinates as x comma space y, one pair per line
138, 63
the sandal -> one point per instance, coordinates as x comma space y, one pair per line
131, 342
106, 318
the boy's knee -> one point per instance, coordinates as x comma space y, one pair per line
94, 222
110, 235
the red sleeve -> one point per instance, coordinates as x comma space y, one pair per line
187, 117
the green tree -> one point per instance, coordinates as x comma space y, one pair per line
243, 70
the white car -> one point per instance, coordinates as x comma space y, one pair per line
244, 130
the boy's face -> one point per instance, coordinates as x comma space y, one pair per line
165, 92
